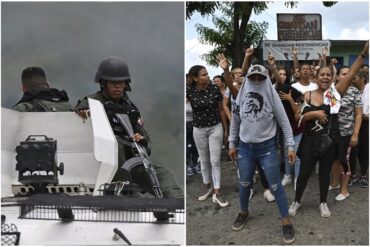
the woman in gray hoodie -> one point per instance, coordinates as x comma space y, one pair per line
253, 130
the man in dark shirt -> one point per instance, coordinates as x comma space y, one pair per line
37, 94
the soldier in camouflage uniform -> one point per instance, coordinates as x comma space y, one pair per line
38, 96
114, 79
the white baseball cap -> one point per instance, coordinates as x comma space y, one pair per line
257, 70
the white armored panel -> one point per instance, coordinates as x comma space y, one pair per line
77, 140
75, 144
105, 144
9, 132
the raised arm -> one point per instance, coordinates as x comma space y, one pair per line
275, 72
333, 62
344, 84
224, 64
247, 60
295, 57
323, 56
319, 64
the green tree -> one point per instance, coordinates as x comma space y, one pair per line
234, 32
230, 37
204, 8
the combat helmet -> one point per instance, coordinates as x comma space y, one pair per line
113, 69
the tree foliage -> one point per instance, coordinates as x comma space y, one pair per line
204, 8
329, 3
291, 4
222, 40
231, 37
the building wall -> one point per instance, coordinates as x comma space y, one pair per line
347, 51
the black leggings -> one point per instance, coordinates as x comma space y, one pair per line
363, 147
191, 149
352, 161
342, 145
308, 162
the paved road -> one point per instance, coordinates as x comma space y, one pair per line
208, 224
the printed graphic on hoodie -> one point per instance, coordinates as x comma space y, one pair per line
252, 108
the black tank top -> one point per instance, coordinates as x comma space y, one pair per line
314, 127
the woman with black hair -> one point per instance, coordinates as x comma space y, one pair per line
210, 129
320, 113
289, 96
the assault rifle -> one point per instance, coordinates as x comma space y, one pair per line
124, 120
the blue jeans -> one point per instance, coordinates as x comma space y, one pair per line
297, 163
264, 153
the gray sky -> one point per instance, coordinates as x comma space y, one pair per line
347, 20
69, 39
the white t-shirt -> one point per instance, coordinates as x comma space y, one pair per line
303, 89
365, 99
232, 100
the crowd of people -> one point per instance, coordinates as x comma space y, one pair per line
286, 122
280, 123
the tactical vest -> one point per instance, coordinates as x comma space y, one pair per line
124, 105
112, 108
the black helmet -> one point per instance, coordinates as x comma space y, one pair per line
113, 69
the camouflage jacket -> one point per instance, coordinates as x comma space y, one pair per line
46, 100
346, 115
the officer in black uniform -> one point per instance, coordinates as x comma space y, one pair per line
114, 79
38, 96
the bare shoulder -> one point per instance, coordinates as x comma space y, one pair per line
306, 96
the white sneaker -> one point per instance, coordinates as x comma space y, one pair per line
324, 210
341, 197
334, 188
269, 196
219, 201
206, 195
294, 208
287, 179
